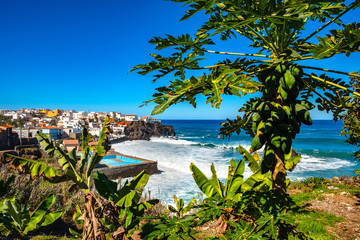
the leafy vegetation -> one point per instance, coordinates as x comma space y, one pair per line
277, 71
287, 89
351, 119
16, 219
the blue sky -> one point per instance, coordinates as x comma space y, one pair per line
77, 54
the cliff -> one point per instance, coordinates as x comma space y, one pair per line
140, 130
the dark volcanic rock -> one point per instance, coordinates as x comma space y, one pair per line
140, 130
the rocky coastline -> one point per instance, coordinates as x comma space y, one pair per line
140, 130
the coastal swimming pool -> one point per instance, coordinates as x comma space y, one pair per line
117, 160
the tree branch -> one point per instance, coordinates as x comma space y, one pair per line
328, 23
332, 84
238, 54
333, 71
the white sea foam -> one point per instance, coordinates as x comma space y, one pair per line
176, 141
174, 157
174, 161
310, 163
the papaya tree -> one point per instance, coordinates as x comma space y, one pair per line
278, 71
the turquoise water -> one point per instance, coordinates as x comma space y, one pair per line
124, 160
324, 154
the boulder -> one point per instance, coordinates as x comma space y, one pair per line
139, 130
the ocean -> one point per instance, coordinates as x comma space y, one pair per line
324, 154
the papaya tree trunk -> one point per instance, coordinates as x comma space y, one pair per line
279, 172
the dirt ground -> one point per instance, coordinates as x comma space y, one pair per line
341, 204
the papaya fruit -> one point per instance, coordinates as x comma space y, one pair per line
256, 143
275, 140
283, 93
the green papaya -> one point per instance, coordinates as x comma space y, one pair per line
262, 75
256, 143
287, 81
296, 70
269, 157
260, 128
268, 127
275, 116
268, 161
286, 144
307, 118
255, 105
283, 93
281, 68
275, 140
256, 118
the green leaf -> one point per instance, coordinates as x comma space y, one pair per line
12, 208
102, 146
204, 183
251, 182
105, 186
130, 194
291, 163
36, 168
253, 164
235, 180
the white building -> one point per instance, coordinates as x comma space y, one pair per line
80, 115
132, 118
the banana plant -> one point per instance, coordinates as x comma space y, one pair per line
235, 183
127, 203
16, 219
4, 186
180, 210
77, 171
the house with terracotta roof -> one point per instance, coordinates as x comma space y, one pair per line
70, 144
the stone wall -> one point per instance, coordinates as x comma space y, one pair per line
128, 170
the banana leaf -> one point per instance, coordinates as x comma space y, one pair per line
85, 139
253, 164
34, 167
216, 182
204, 183
102, 146
65, 160
131, 192
105, 186
235, 179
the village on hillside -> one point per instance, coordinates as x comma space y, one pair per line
19, 127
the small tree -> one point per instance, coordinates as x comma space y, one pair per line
351, 119
277, 71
